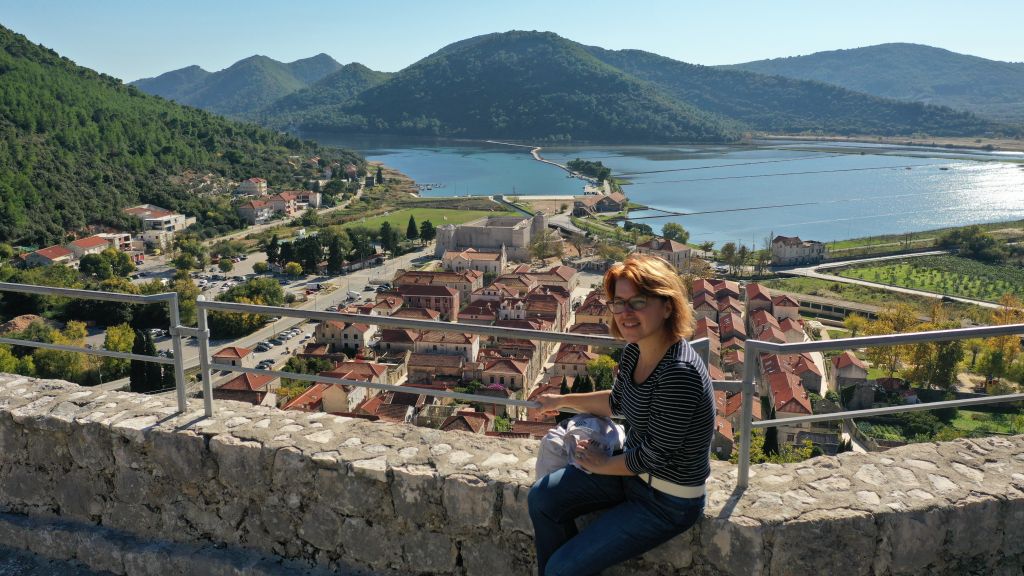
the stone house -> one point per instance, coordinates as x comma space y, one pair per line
342, 335
433, 367
506, 372
675, 253
255, 212
486, 262
572, 361
847, 370
88, 245
246, 387
50, 256
438, 342
757, 298
791, 250
442, 299
786, 306
235, 356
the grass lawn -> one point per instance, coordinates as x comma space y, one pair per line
399, 219
944, 274
970, 421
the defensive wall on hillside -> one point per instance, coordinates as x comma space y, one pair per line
123, 482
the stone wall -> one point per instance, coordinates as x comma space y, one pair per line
121, 482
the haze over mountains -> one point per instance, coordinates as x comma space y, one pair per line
540, 86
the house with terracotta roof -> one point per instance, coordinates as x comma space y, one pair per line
337, 398
393, 340
847, 370
786, 306
761, 318
506, 372
518, 283
442, 299
590, 204
572, 362
469, 421
594, 309
705, 306
769, 333
732, 361
438, 342
255, 212
791, 250
464, 281
385, 306
560, 276
246, 387
535, 429
722, 443
412, 313
50, 256
431, 367
725, 288
284, 203
343, 335
310, 400
675, 253
729, 305
733, 409
252, 186
235, 356
496, 292
731, 326
707, 325
481, 313
757, 298
159, 224
793, 329
788, 399
487, 262
700, 286
88, 245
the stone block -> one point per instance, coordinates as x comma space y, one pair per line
354, 495
416, 494
977, 520
240, 465
26, 485
89, 445
133, 518
513, 555
515, 512
370, 545
12, 440
48, 449
911, 541
98, 551
82, 494
469, 502
292, 469
734, 545
1013, 527
429, 551
322, 528
183, 456
824, 541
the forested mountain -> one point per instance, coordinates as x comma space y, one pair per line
776, 104
242, 88
327, 92
913, 72
520, 85
77, 146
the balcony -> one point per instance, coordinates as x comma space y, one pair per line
138, 484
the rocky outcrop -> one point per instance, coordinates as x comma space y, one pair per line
121, 482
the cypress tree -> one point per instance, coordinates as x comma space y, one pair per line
412, 232
137, 370
153, 370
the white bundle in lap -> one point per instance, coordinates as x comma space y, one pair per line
557, 448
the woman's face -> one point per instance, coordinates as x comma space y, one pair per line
638, 325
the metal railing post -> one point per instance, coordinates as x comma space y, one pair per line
179, 360
747, 415
204, 358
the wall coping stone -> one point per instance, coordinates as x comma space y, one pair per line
345, 494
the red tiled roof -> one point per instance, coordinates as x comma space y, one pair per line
420, 290
729, 303
715, 372
785, 300
397, 336
574, 356
309, 401
699, 286
664, 245
761, 317
416, 313
723, 427
232, 352
705, 299
534, 429
54, 252
735, 402
439, 337
727, 286
788, 393
788, 324
436, 360
757, 292
90, 242
506, 366
593, 328
848, 359
247, 382
731, 323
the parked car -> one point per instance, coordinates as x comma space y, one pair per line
277, 341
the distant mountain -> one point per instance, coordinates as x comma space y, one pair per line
175, 84
76, 147
321, 97
520, 85
775, 104
242, 88
913, 72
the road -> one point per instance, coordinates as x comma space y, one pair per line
813, 272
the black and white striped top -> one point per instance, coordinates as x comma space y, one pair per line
671, 415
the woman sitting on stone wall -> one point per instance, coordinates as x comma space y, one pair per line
654, 489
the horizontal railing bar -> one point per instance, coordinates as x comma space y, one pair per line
887, 339
868, 412
88, 294
412, 324
96, 351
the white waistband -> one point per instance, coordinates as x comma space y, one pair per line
672, 489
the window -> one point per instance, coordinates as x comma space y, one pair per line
492, 379
502, 380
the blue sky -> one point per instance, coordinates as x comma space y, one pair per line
141, 38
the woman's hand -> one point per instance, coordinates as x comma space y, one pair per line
549, 404
590, 456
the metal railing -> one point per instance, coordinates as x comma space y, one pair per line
754, 348
175, 329
204, 306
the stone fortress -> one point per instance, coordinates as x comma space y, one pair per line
124, 484
491, 233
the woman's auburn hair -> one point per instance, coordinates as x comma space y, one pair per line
653, 276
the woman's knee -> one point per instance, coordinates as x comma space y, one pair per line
538, 499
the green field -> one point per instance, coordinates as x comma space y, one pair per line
970, 421
399, 219
944, 274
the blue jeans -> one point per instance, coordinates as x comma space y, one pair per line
638, 519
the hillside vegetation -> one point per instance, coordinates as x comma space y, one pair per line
912, 72
76, 147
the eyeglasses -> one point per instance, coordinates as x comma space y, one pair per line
619, 305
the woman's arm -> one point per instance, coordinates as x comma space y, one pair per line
596, 403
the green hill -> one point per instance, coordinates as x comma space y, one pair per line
520, 85
77, 146
318, 99
243, 88
776, 104
913, 72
